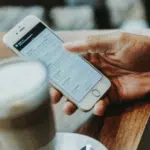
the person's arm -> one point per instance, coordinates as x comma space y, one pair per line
124, 58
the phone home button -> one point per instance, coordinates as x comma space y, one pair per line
96, 93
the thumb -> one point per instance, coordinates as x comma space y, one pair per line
130, 87
98, 43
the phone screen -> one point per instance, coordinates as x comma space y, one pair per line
70, 72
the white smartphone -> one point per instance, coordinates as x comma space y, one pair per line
71, 74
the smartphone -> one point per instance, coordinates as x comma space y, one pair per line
70, 73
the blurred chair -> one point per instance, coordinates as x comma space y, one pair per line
70, 18
100, 11
128, 13
12, 11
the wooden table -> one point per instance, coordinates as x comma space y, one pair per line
122, 126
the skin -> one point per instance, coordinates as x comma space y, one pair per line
124, 58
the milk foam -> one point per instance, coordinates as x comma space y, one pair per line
18, 81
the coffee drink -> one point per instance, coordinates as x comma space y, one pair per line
26, 116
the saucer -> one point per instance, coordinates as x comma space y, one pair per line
72, 141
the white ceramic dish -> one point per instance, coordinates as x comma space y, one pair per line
72, 141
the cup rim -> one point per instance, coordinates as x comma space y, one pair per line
28, 98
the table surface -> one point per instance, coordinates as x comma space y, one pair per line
122, 126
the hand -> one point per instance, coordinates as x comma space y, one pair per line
124, 58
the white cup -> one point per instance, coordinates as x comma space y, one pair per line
26, 116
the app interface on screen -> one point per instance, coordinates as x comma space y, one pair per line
75, 76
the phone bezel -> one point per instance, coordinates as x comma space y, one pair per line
30, 22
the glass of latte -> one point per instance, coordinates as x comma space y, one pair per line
26, 116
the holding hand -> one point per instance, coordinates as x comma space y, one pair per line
124, 58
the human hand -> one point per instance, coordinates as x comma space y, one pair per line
124, 58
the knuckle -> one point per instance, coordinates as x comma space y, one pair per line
117, 34
123, 36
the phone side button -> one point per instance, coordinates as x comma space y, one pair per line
96, 93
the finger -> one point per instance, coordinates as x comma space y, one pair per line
95, 59
100, 43
101, 106
69, 108
131, 87
55, 95
76, 46
111, 70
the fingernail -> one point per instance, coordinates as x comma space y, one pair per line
51, 92
68, 44
74, 44
98, 111
52, 95
66, 110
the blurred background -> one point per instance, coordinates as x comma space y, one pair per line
78, 14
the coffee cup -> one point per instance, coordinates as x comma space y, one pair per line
26, 116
